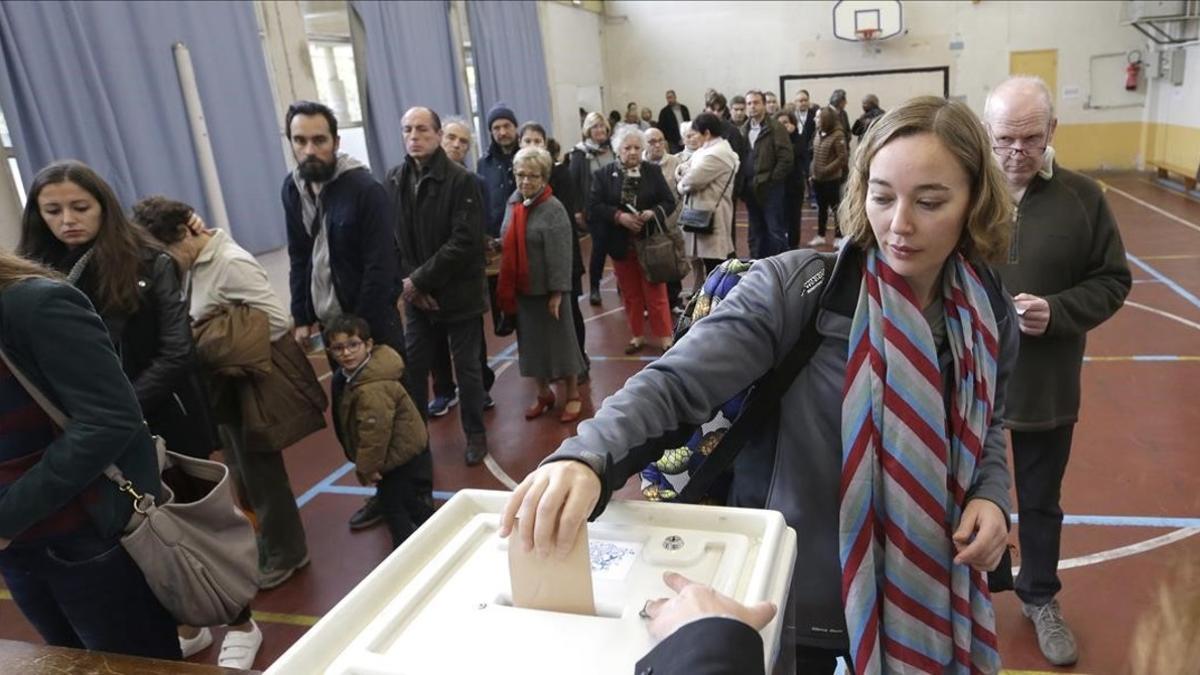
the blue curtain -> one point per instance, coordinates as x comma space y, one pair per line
96, 81
509, 62
409, 62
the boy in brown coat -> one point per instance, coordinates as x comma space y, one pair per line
379, 426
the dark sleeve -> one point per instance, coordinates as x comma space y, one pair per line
783, 153
464, 248
687, 116
664, 115
560, 182
860, 127
992, 478
377, 251
176, 350
599, 209
299, 246
66, 346
1105, 283
710, 646
485, 198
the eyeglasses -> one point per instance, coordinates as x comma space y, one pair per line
531, 177
1032, 146
347, 346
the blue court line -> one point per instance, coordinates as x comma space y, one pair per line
324, 483
365, 491
505, 354
1183, 292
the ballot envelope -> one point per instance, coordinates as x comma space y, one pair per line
442, 602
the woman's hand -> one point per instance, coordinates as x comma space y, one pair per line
982, 535
698, 601
554, 303
630, 222
4, 543
646, 216
550, 505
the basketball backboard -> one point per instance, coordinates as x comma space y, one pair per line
856, 20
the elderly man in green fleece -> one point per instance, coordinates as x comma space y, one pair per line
1068, 274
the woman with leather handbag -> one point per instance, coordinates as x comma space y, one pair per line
628, 199
60, 519
706, 180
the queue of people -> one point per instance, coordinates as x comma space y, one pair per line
925, 238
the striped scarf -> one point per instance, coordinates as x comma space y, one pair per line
906, 469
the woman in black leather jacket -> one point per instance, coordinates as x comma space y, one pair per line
135, 288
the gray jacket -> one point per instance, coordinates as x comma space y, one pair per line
749, 333
548, 234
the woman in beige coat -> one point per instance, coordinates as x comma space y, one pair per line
706, 182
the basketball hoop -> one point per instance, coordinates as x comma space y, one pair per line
867, 34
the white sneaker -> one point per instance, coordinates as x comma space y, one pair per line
239, 649
816, 241
839, 243
193, 646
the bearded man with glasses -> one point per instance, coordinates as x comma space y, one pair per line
1068, 272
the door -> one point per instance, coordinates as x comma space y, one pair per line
1042, 63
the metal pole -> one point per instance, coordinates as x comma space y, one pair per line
218, 216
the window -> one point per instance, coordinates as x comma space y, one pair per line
327, 25
7, 155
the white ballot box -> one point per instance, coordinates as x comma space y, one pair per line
441, 603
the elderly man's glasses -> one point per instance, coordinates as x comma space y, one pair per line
1030, 146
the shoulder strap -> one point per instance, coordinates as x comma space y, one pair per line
763, 401
53, 412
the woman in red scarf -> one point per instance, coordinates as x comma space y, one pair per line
535, 274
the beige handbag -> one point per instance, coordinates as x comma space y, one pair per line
196, 549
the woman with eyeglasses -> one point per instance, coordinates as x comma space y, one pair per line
535, 274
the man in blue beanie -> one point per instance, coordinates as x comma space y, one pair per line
496, 166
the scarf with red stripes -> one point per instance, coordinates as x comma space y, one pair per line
909, 455
514, 261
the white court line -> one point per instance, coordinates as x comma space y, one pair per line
1152, 207
1168, 315
1125, 551
498, 472
601, 315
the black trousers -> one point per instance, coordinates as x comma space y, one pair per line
406, 496
829, 195
443, 371
1039, 463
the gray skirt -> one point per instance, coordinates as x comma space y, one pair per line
547, 347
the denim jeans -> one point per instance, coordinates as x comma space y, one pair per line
84, 591
768, 221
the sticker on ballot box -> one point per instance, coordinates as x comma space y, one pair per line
613, 560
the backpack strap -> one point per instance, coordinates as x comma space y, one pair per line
763, 401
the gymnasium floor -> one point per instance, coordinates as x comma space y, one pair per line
1130, 494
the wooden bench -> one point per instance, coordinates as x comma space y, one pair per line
1166, 170
31, 659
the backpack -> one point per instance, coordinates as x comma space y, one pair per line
688, 473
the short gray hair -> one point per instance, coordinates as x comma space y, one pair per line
626, 132
1020, 82
535, 157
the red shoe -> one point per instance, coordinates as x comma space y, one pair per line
540, 406
572, 411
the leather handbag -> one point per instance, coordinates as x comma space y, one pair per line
700, 221
196, 549
660, 252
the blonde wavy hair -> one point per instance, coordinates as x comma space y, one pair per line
986, 234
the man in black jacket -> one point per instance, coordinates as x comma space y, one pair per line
439, 228
765, 173
670, 117
340, 243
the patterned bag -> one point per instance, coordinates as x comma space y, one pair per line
662, 481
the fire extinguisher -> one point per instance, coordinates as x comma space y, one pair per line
1131, 71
